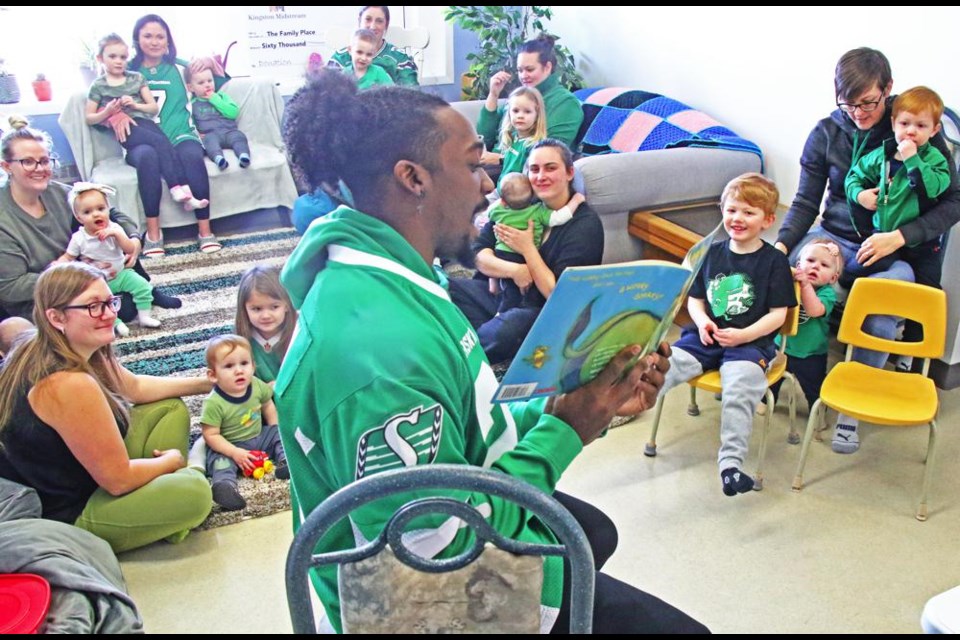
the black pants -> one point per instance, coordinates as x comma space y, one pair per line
618, 607
146, 161
501, 334
810, 372
161, 159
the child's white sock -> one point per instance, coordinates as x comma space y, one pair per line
120, 329
193, 203
845, 438
180, 193
144, 319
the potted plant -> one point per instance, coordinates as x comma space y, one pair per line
89, 67
501, 30
9, 90
41, 88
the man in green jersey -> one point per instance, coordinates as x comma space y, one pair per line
385, 372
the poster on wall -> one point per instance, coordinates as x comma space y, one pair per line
280, 39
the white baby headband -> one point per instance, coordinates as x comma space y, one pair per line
83, 187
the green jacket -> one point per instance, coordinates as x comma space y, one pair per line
398, 65
564, 115
384, 372
374, 77
906, 194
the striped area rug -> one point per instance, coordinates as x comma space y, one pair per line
207, 284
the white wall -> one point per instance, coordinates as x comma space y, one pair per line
766, 73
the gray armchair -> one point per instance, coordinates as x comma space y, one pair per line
267, 183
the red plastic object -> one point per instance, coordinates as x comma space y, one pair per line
24, 601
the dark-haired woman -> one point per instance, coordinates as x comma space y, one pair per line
578, 243
864, 83
399, 66
536, 63
156, 58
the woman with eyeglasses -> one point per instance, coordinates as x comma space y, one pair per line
36, 221
67, 428
860, 124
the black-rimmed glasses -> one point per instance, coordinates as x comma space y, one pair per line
98, 308
868, 106
31, 164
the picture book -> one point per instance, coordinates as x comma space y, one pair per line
592, 314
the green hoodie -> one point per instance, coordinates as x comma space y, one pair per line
564, 115
905, 195
384, 371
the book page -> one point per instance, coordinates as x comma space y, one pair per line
592, 314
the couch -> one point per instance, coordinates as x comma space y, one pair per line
266, 183
617, 184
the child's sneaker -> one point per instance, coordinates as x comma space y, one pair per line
221, 162
209, 244
244, 161
121, 329
845, 438
282, 471
735, 481
228, 496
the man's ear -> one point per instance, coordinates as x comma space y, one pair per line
412, 177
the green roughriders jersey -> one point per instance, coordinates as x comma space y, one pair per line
385, 372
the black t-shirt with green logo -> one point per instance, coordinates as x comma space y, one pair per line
739, 289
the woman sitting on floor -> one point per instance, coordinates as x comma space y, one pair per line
67, 432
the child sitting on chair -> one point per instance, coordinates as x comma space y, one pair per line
103, 242
819, 266
363, 49
215, 116
738, 301
517, 209
238, 417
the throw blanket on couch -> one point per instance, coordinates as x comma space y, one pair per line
618, 120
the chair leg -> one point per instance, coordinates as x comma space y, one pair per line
758, 479
793, 437
692, 408
650, 449
928, 472
807, 437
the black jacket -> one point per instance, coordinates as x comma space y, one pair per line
826, 160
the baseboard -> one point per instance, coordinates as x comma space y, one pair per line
945, 376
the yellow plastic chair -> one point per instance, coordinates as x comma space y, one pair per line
710, 381
879, 396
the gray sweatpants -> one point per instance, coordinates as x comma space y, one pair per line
220, 468
744, 384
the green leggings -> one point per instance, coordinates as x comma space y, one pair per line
165, 506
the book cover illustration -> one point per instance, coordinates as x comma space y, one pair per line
592, 314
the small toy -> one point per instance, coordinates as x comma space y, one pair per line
262, 465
